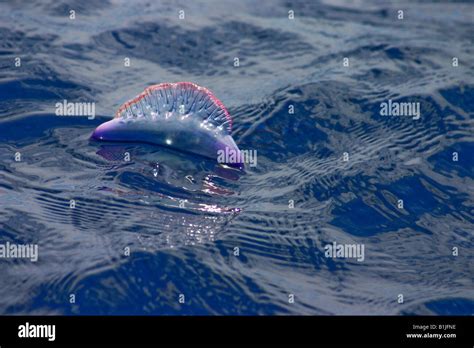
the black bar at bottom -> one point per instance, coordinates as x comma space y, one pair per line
417, 330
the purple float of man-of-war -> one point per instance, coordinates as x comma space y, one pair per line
182, 116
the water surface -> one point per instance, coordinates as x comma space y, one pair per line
183, 217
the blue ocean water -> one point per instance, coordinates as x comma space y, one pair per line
184, 218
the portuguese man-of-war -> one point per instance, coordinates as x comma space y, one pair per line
182, 116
